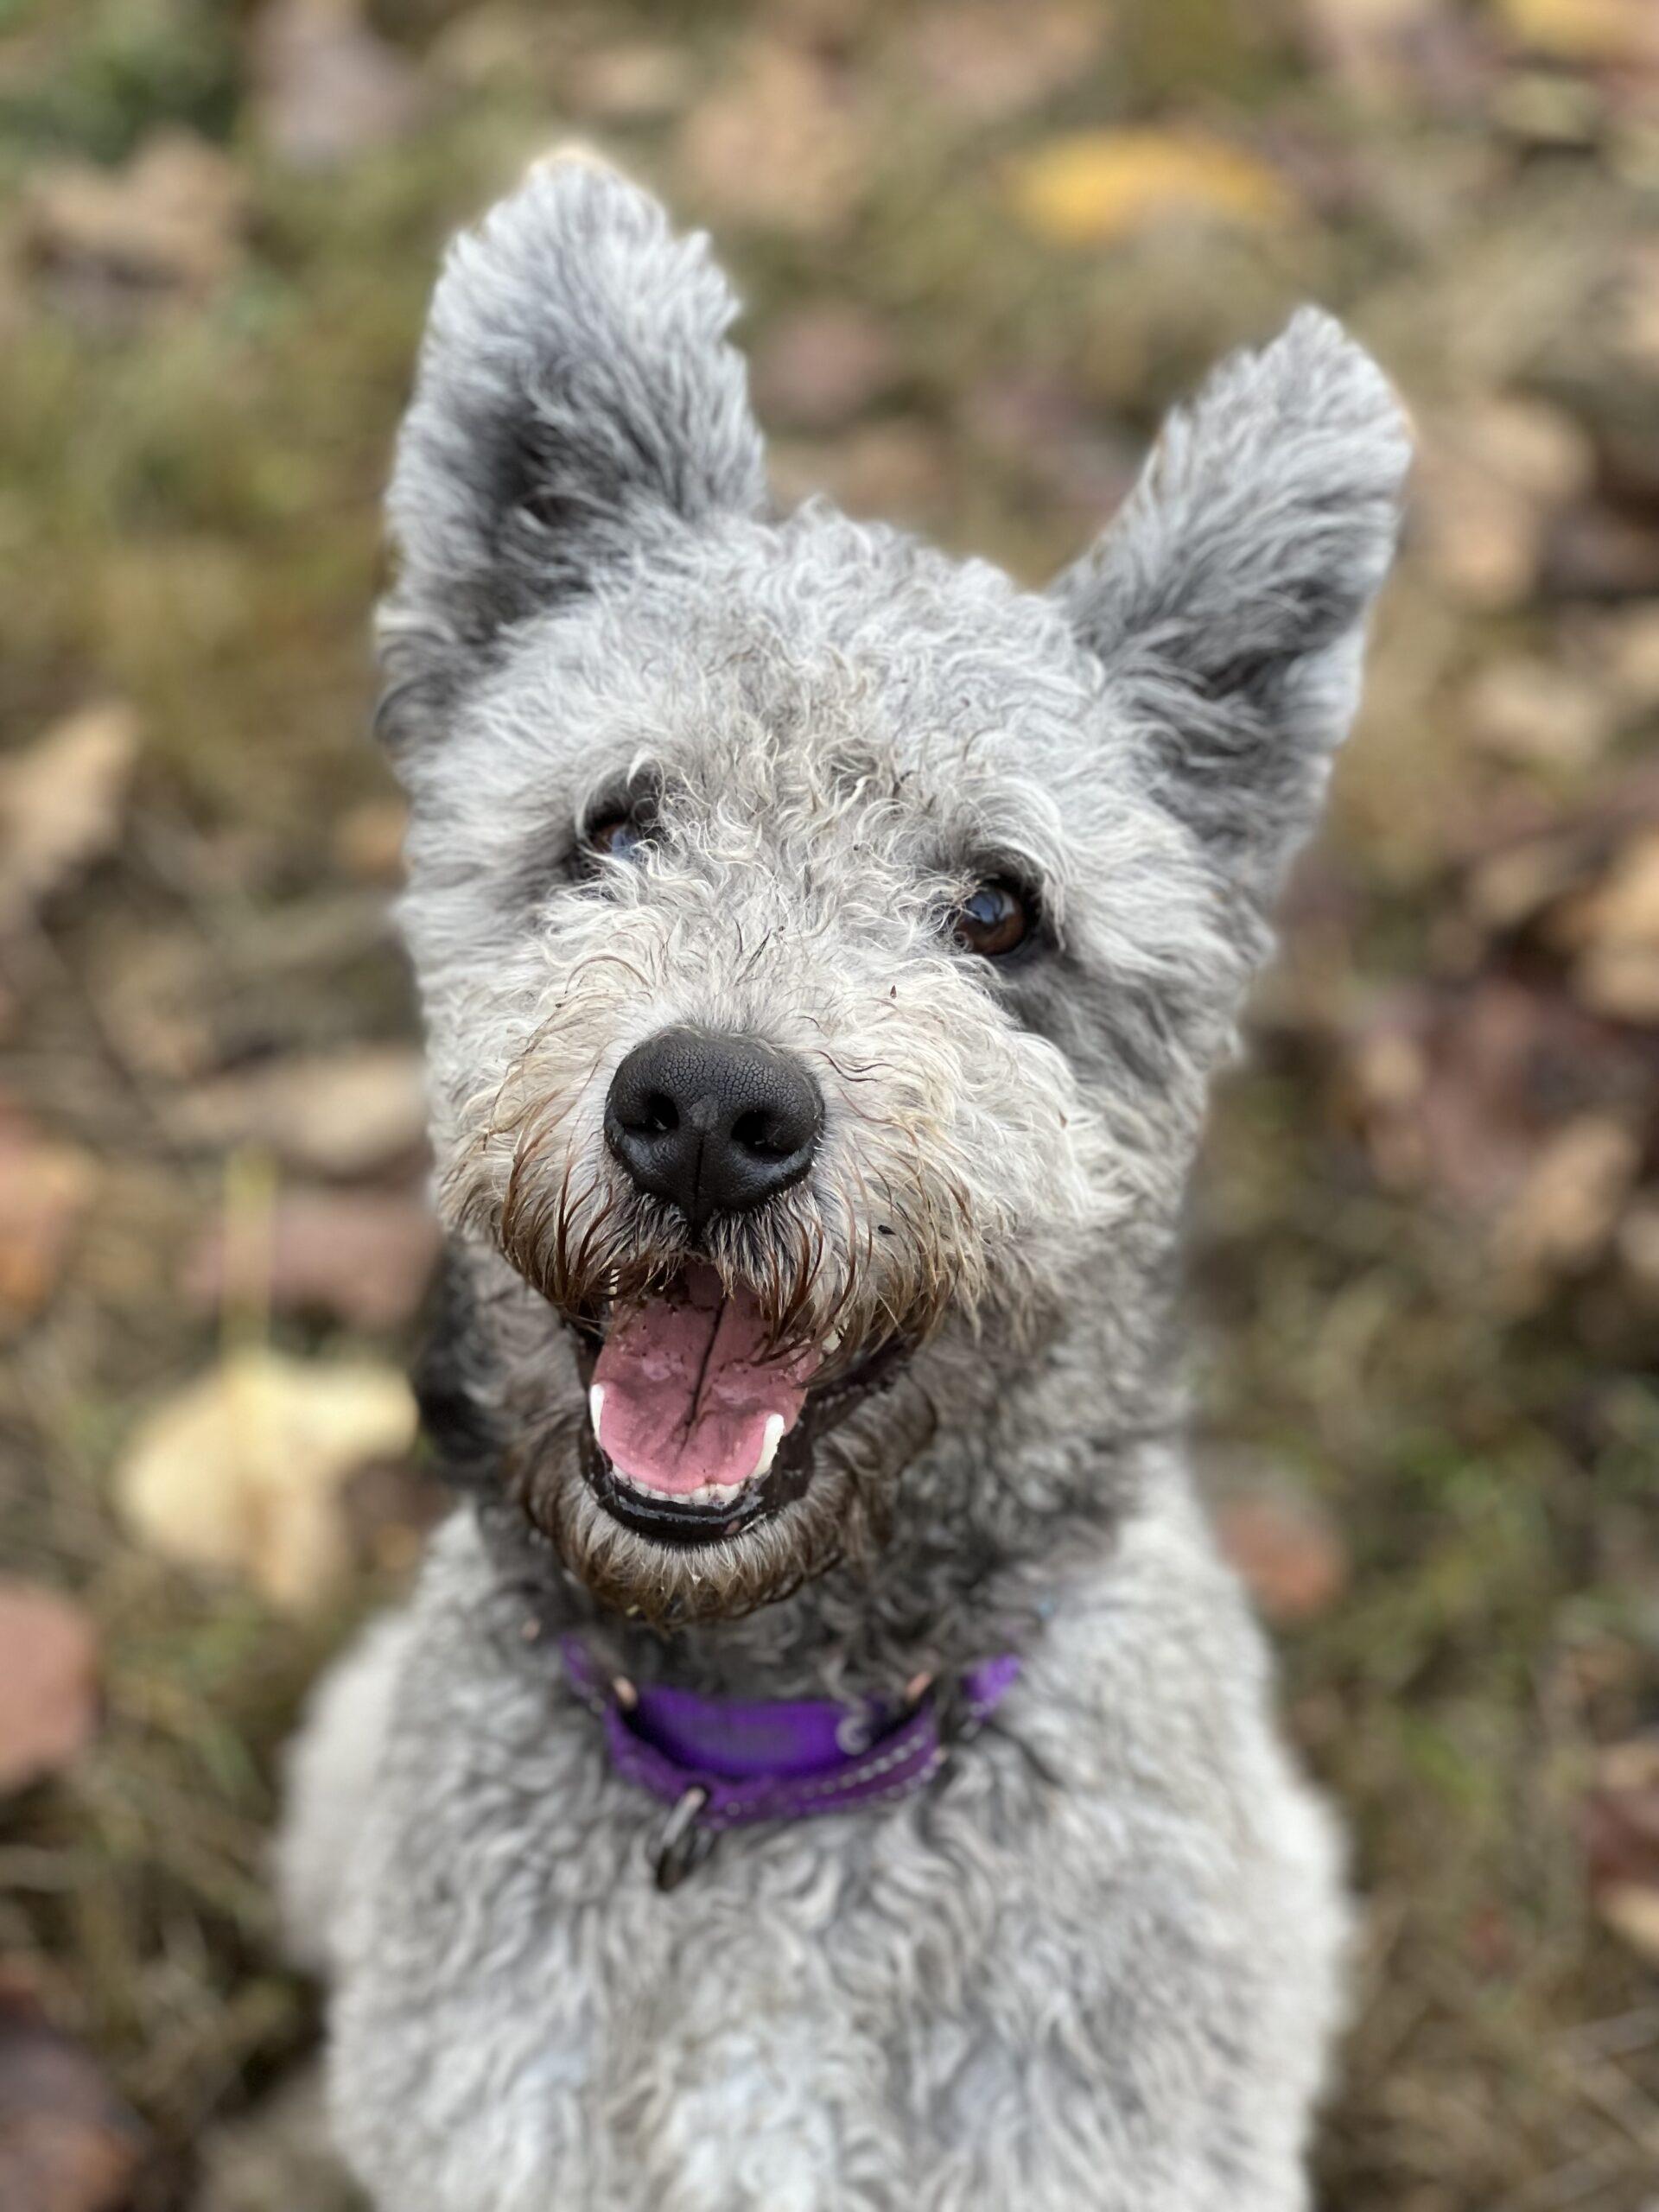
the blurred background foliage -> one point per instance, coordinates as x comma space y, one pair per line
983, 243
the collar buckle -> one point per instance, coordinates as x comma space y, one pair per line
683, 1845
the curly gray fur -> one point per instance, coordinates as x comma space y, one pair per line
1097, 1964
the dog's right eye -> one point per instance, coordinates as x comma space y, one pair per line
620, 837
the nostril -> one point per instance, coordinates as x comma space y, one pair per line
657, 1115
763, 1133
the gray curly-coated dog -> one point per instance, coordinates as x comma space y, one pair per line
825, 947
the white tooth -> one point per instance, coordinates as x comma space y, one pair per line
595, 1403
769, 1443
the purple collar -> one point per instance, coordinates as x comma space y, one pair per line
726, 1763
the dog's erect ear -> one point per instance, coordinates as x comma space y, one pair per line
576, 398
1229, 597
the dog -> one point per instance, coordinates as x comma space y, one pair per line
825, 1765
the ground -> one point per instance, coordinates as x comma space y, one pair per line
983, 247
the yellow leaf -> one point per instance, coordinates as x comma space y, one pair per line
1586, 30
244, 1469
1102, 186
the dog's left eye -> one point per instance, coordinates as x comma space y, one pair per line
993, 920
617, 837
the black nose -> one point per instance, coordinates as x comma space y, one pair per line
712, 1124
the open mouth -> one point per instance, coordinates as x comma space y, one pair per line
699, 1426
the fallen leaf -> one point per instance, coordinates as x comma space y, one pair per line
1613, 929
60, 806
1538, 714
1621, 1840
1368, 43
642, 81
1490, 481
48, 1683
1627, 647
171, 220
344, 1114
67, 2143
986, 61
1100, 186
366, 1256
326, 86
1591, 31
244, 1469
1459, 1091
45, 1189
783, 145
1287, 1550
1563, 1217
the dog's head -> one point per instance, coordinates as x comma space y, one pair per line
824, 944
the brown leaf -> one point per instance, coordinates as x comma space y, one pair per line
326, 86
1460, 1090
1538, 714
170, 221
1563, 1217
48, 1684
822, 364
245, 1469
642, 81
366, 1256
45, 1188
1099, 187
1593, 31
66, 2145
345, 1113
1614, 930
986, 61
783, 145
1287, 1550
1489, 485
60, 806
1621, 1838
1370, 44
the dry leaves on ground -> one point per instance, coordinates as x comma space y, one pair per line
1099, 187
49, 1686
1284, 1545
365, 1256
62, 803
1491, 482
1593, 31
245, 1470
1621, 1842
781, 144
172, 220
326, 87
45, 1188
984, 61
66, 2145
349, 1113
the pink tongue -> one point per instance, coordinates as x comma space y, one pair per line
689, 1386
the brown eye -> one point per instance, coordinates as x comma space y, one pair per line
617, 837
993, 919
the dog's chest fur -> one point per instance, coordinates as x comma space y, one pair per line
927, 2007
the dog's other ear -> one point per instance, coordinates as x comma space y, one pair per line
576, 399
1229, 597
